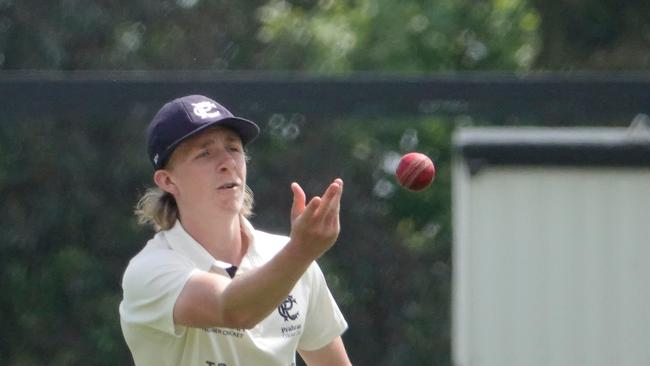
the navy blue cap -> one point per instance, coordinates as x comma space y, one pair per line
184, 117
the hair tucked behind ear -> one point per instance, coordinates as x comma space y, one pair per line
158, 208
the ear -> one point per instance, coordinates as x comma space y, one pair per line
165, 181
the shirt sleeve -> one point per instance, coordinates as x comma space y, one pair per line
151, 285
324, 320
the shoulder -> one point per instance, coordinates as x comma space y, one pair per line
156, 260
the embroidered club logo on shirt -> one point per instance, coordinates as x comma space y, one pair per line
206, 110
285, 309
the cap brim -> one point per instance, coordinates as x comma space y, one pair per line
247, 130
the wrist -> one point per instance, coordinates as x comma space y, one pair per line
299, 251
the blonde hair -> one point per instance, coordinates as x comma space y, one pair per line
158, 208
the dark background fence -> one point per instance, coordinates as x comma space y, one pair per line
551, 98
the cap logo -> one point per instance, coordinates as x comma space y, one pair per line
206, 110
156, 158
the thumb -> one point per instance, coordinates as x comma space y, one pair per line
299, 199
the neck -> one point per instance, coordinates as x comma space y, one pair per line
221, 236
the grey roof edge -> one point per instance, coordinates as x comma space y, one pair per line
575, 146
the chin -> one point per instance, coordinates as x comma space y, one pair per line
231, 207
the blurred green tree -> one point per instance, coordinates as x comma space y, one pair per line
406, 36
593, 35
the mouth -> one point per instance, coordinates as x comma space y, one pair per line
229, 185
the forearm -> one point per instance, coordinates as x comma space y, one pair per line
251, 297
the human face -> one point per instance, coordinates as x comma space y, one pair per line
206, 174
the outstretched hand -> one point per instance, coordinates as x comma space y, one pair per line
315, 225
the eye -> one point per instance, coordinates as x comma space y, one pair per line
203, 153
235, 148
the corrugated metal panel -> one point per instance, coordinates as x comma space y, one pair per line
551, 266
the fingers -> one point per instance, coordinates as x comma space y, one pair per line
315, 226
298, 200
312, 207
332, 198
325, 207
333, 190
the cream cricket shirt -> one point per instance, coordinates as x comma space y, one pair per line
307, 319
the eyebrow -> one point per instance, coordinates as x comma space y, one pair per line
212, 141
205, 144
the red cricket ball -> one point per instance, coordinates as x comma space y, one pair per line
415, 171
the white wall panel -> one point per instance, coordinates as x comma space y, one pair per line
551, 266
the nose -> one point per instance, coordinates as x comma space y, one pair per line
227, 162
